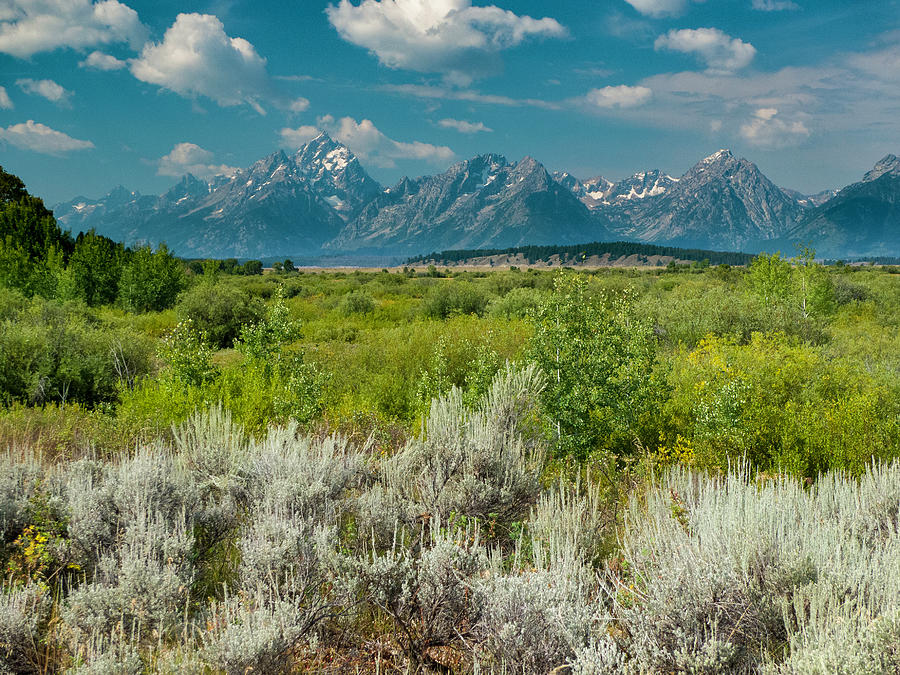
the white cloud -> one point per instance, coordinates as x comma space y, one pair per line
451, 37
38, 137
621, 96
299, 105
774, 5
767, 130
452, 94
197, 58
658, 8
5, 102
719, 51
295, 138
370, 144
463, 127
191, 158
101, 61
47, 89
28, 27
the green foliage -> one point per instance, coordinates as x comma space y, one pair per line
518, 303
219, 310
357, 302
781, 405
53, 352
770, 277
598, 357
447, 299
252, 267
187, 352
813, 287
95, 267
150, 281
32, 246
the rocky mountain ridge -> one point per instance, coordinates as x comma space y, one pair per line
321, 200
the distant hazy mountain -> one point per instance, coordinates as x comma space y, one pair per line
863, 219
321, 200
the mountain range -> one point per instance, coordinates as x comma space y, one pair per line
320, 200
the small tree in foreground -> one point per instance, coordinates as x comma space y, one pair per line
598, 357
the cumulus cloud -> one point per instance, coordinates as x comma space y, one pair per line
454, 94
658, 8
373, 146
774, 5
621, 96
299, 104
101, 61
47, 89
191, 158
718, 50
28, 27
197, 58
295, 138
38, 137
451, 37
767, 130
5, 102
463, 127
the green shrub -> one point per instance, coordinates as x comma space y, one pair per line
56, 353
517, 303
219, 310
598, 358
456, 297
357, 302
151, 281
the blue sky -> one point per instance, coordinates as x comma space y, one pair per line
96, 94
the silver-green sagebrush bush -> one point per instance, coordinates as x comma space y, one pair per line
216, 552
254, 633
24, 612
140, 586
424, 588
534, 620
733, 575
18, 478
482, 462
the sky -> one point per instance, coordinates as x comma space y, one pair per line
106, 93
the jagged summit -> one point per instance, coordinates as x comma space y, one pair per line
889, 164
335, 173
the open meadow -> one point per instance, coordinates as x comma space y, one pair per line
674, 469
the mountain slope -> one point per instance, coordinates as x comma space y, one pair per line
480, 202
279, 205
863, 219
722, 202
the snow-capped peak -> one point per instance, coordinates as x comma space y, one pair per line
717, 156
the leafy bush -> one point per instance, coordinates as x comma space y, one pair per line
150, 281
597, 358
518, 303
446, 299
54, 352
357, 302
219, 310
